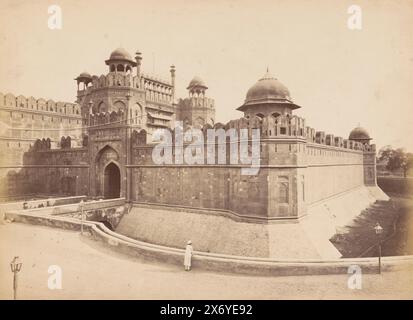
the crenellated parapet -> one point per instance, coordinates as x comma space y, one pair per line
320, 137
310, 134
282, 126
287, 126
102, 118
66, 142
111, 79
139, 137
45, 144
197, 102
20, 102
338, 142
156, 89
41, 145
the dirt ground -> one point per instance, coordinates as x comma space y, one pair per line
90, 271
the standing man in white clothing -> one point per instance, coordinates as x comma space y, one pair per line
188, 255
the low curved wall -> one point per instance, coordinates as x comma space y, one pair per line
61, 209
210, 261
43, 203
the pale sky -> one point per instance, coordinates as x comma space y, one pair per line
340, 77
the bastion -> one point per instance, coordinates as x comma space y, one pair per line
309, 183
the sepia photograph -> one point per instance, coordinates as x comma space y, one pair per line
206, 150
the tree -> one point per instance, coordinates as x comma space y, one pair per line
396, 159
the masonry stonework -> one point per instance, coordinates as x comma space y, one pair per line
112, 157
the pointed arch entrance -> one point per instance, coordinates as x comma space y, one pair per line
111, 186
107, 174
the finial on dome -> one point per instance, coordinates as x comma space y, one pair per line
359, 134
268, 75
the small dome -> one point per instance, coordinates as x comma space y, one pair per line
85, 75
197, 82
267, 88
268, 91
120, 54
359, 133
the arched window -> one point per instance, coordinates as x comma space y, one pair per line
119, 105
283, 192
303, 187
283, 189
101, 107
120, 68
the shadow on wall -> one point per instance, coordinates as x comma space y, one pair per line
47, 171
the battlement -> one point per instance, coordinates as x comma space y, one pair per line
45, 144
156, 90
102, 118
41, 144
286, 126
59, 108
111, 79
283, 125
197, 102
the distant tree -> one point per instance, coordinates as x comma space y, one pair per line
396, 159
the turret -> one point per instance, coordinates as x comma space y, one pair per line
138, 59
196, 110
173, 82
85, 78
197, 87
360, 134
120, 61
268, 96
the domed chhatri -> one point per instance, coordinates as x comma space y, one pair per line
120, 54
85, 75
197, 82
197, 87
267, 88
84, 78
359, 134
268, 91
